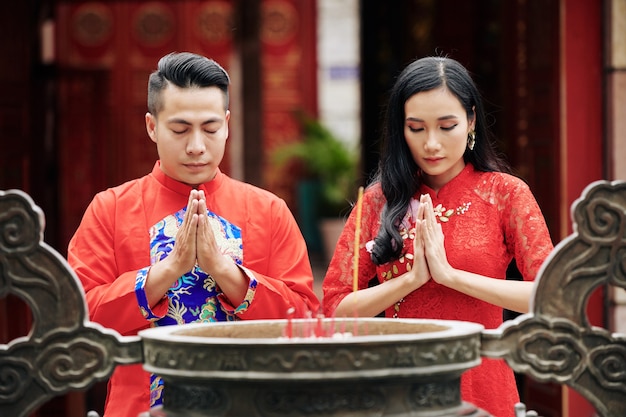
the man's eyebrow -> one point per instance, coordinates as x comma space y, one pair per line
185, 122
180, 121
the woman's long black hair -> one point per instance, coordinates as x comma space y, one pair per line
400, 177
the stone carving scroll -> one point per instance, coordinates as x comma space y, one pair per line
555, 342
63, 350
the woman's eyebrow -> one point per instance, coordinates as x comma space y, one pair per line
447, 117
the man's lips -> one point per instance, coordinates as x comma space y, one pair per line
195, 165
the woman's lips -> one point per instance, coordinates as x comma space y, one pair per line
433, 160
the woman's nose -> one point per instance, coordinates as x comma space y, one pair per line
432, 141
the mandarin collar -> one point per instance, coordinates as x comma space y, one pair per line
467, 171
182, 188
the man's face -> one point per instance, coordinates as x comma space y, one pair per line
190, 132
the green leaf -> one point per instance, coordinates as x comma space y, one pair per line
325, 158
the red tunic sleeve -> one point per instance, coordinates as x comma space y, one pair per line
92, 254
339, 278
276, 254
527, 236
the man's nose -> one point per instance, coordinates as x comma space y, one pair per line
195, 144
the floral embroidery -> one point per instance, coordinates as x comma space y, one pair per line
209, 311
396, 308
195, 296
386, 275
408, 234
444, 215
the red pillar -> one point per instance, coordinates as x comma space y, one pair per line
582, 116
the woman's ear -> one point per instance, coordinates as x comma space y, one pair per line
472, 120
151, 126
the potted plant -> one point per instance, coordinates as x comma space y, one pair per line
329, 180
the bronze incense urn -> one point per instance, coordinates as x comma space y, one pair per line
326, 367
319, 366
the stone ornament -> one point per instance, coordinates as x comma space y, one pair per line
225, 369
63, 351
555, 342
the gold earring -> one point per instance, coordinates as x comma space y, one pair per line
471, 140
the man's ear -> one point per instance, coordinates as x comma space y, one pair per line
151, 126
227, 119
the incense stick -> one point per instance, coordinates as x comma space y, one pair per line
357, 241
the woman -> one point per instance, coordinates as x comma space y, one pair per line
440, 176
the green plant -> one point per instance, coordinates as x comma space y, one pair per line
326, 159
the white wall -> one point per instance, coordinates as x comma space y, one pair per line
338, 68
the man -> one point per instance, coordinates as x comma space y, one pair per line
186, 243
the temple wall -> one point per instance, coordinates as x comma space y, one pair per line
338, 77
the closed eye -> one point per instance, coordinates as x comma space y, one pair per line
448, 128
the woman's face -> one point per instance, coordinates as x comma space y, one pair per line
435, 129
